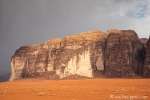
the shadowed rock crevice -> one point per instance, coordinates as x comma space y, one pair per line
146, 68
93, 54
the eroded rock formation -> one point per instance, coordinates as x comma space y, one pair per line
146, 72
116, 53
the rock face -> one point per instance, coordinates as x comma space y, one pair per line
146, 72
116, 53
122, 54
144, 42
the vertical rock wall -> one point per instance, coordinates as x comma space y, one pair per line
146, 69
122, 54
29, 61
117, 53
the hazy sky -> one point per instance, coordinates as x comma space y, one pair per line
24, 22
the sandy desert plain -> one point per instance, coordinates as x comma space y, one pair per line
82, 89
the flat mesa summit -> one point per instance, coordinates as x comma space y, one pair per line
93, 54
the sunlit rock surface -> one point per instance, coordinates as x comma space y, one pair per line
93, 54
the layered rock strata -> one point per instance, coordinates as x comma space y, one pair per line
116, 53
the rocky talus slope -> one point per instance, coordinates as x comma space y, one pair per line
93, 54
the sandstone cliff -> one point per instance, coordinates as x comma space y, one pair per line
146, 72
116, 53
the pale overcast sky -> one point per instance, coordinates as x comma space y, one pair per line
24, 22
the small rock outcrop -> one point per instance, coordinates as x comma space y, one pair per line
93, 54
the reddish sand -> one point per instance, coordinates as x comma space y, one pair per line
86, 89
